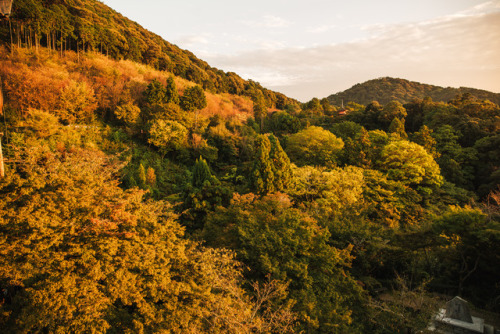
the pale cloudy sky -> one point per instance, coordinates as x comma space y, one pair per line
314, 48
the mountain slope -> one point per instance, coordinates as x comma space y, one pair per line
388, 89
90, 25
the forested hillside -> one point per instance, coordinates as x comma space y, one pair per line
90, 25
385, 90
137, 201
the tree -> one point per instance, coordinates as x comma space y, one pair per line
193, 99
141, 175
202, 196
314, 145
410, 164
347, 129
271, 171
455, 162
488, 164
397, 128
171, 94
327, 193
155, 93
259, 108
201, 172
325, 105
273, 238
392, 110
262, 175
280, 165
281, 122
101, 259
314, 105
167, 135
151, 177
371, 115
424, 138
128, 113
467, 244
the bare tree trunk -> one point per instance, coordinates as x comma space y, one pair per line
11, 39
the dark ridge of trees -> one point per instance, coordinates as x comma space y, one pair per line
385, 90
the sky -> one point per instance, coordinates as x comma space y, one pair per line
314, 48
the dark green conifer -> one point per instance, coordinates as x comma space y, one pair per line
155, 93
280, 164
171, 94
262, 177
201, 173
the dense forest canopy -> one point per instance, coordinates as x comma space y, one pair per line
138, 199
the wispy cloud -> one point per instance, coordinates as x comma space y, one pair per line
190, 40
459, 50
321, 29
268, 21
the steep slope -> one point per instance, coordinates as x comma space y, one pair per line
388, 89
90, 25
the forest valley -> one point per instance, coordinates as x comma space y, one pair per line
139, 198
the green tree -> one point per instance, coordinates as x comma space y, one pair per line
155, 93
327, 193
325, 105
100, 259
397, 128
262, 175
345, 130
281, 122
271, 170
392, 110
259, 108
201, 172
424, 138
272, 237
315, 146
202, 196
410, 164
128, 113
280, 165
193, 99
141, 176
171, 94
487, 164
314, 105
455, 161
467, 244
167, 135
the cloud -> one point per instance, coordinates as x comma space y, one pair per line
321, 29
189, 40
460, 50
268, 21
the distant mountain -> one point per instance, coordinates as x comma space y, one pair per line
90, 25
388, 89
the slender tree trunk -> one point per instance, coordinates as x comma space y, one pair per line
11, 39
2, 171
